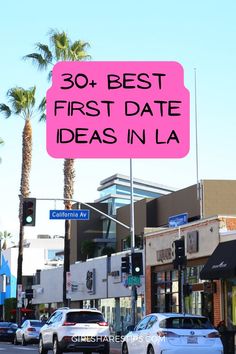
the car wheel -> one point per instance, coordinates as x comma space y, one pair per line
15, 341
150, 350
42, 350
56, 349
125, 348
23, 342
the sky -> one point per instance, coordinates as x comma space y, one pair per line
198, 35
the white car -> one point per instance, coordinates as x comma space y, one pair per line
170, 333
81, 330
28, 332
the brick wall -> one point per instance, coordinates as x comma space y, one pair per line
230, 223
217, 303
148, 289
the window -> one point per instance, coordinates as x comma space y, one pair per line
36, 323
143, 324
152, 321
186, 323
84, 317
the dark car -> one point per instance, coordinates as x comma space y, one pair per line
7, 331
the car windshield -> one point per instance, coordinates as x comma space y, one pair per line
36, 323
84, 317
186, 323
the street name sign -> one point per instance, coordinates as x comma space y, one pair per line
134, 280
71, 214
178, 220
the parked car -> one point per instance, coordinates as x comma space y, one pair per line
169, 333
28, 332
81, 330
7, 331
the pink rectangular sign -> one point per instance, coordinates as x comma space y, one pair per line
118, 110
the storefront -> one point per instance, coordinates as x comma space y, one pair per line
166, 292
198, 290
221, 266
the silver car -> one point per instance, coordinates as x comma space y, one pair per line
28, 332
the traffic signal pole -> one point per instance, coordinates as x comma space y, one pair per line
132, 234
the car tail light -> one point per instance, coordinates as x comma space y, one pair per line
31, 329
103, 324
67, 338
213, 335
167, 334
69, 323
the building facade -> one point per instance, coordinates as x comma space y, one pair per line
203, 294
102, 231
38, 254
96, 282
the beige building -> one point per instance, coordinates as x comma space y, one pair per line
208, 293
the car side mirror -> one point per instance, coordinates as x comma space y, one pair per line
130, 328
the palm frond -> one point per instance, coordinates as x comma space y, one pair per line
37, 59
77, 51
22, 101
42, 110
45, 51
5, 110
60, 44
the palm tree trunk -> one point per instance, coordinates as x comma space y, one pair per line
69, 175
24, 189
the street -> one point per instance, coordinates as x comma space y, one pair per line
9, 348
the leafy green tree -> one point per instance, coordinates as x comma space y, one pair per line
61, 48
21, 105
107, 251
87, 249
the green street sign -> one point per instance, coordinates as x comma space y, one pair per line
134, 280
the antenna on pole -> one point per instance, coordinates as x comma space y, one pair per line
199, 191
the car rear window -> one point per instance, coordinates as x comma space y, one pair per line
36, 323
186, 323
84, 317
5, 324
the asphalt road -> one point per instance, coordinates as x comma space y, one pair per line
18, 349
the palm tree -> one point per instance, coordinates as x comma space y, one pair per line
22, 104
61, 48
4, 236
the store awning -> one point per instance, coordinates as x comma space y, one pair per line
222, 263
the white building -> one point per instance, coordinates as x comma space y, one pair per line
98, 282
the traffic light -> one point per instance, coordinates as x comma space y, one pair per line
180, 258
137, 263
125, 264
29, 211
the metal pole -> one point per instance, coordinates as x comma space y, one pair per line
199, 187
132, 235
89, 206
